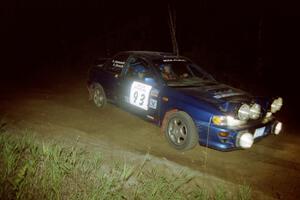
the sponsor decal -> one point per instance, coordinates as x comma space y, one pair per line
174, 60
117, 63
219, 96
153, 103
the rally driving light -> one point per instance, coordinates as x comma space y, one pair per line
255, 111
269, 114
245, 140
276, 104
277, 128
244, 112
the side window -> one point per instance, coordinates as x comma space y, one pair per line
138, 69
117, 63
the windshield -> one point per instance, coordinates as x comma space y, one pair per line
181, 72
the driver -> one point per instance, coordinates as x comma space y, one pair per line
140, 71
167, 73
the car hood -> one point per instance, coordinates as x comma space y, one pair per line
222, 96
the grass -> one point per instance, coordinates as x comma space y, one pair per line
31, 169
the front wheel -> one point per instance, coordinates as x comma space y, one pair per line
180, 131
99, 97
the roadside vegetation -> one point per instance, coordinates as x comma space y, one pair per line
33, 169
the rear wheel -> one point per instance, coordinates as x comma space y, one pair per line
99, 97
180, 130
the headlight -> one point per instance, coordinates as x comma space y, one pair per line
255, 111
276, 105
244, 112
226, 121
219, 120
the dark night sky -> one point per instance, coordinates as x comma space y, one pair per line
220, 35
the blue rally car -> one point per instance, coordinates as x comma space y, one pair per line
188, 103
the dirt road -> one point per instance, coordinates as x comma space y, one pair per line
272, 166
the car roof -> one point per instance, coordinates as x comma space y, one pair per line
152, 55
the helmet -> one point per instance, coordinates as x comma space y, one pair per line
162, 67
139, 69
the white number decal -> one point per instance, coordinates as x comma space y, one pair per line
139, 95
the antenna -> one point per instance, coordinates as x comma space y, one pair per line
172, 26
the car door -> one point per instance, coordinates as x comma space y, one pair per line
139, 89
110, 80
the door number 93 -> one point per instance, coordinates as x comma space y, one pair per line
139, 94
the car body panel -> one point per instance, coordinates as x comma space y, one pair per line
151, 97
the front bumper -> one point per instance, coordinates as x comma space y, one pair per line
241, 137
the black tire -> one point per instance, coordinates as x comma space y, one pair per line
180, 131
98, 96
